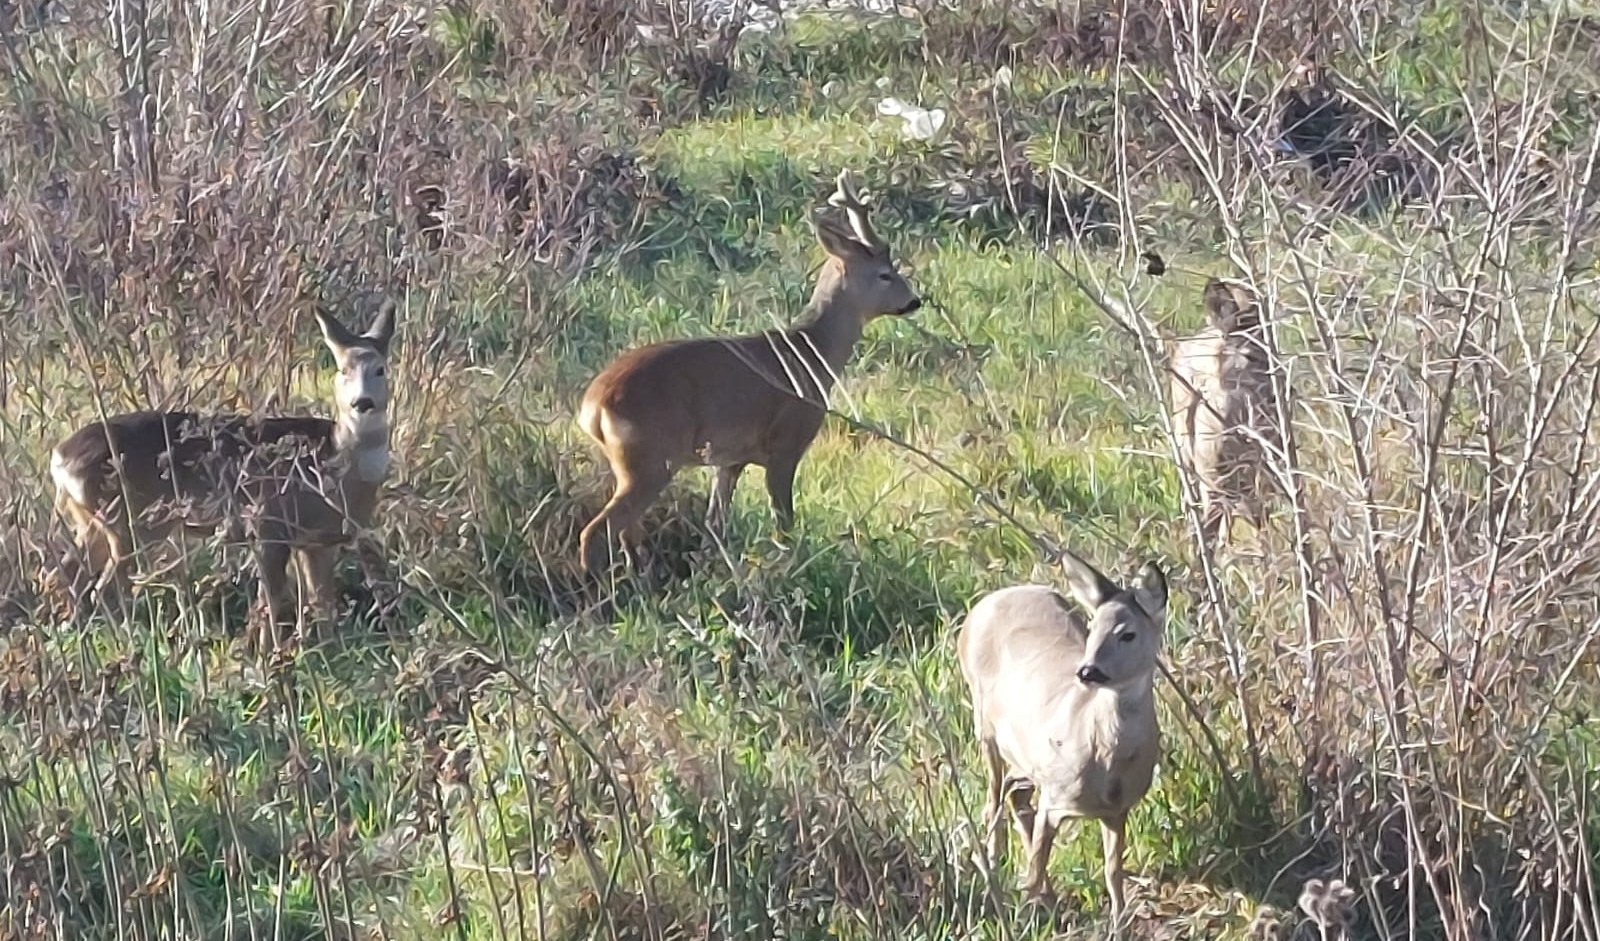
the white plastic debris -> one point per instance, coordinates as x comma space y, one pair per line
917, 123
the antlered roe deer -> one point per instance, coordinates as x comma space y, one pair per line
300, 486
1224, 410
1064, 709
732, 402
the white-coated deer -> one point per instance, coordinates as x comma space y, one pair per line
300, 486
1064, 708
732, 402
1224, 410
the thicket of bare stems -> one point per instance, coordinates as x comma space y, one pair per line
1440, 479
177, 178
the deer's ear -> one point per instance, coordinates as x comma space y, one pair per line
335, 334
1151, 591
1088, 586
382, 329
836, 240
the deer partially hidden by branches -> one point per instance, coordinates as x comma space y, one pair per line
732, 402
1224, 410
298, 487
1064, 709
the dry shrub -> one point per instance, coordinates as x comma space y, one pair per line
676, 58
196, 228
1000, 199
864, 866
687, 69
1357, 156
593, 36
1099, 34
1362, 153
1366, 151
994, 174
193, 232
807, 833
624, 915
1083, 35
30, 878
1439, 611
569, 198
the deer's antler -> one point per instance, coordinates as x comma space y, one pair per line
845, 197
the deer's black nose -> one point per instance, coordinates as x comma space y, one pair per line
916, 302
363, 405
1092, 675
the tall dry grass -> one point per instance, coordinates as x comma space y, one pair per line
1433, 662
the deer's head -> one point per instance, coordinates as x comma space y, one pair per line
361, 391
861, 272
1125, 625
1231, 307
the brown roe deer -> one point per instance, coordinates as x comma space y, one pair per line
732, 402
300, 486
1224, 409
1064, 709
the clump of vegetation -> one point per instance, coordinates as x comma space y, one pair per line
568, 202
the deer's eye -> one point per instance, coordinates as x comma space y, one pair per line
885, 276
379, 372
1127, 637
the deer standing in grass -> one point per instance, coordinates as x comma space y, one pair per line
1224, 410
300, 486
732, 402
1064, 708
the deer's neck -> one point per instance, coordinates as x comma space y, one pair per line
1110, 717
1138, 698
1113, 706
365, 446
832, 325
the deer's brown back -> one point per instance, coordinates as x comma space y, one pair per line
1018, 648
710, 401
187, 457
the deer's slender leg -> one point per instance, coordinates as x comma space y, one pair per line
638, 485
780, 488
994, 826
1020, 795
1113, 837
1037, 882
722, 499
316, 565
272, 563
